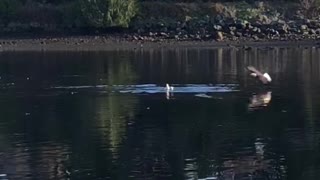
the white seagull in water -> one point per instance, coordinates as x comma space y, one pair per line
168, 87
169, 90
264, 78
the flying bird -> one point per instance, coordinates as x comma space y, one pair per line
263, 77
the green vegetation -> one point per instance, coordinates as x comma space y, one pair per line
61, 15
66, 15
8, 10
108, 13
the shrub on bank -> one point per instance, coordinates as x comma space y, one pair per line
8, 10
30, 15
108, 13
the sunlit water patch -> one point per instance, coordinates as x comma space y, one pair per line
153, 88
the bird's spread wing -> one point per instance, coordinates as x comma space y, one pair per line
254, 70
258, 73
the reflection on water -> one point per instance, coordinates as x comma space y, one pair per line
259, 100
106, 115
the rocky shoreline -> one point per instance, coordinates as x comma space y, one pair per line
233, 30
236, 21
225, 33
236, 31
108, 42
167, 25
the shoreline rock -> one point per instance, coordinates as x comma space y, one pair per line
237, 31
112, 42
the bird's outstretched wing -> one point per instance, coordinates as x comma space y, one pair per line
259, 75
254, 70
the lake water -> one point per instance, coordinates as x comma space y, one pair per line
106, 115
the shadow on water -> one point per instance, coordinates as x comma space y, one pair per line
91, 115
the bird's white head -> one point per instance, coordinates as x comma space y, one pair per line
266, 75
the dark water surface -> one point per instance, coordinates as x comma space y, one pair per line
106, 115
